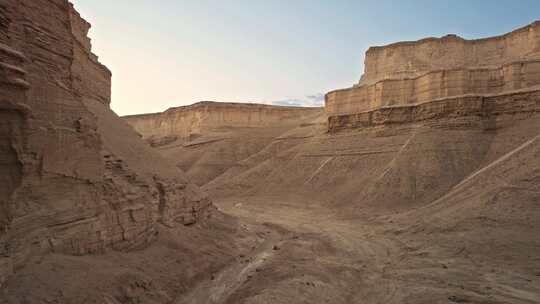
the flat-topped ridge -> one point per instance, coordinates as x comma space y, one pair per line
223, 105
446, 37
186, 121
238, 104
410, 73
411, 58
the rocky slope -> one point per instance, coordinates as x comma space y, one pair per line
74, 178
408, 153
207, 138
423, 197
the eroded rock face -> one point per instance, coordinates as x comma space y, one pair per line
74, 178
412, 59
413, 73
193, 120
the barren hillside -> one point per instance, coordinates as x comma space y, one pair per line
208, 138
418, 185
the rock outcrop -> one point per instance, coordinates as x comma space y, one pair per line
190, 121
208, 138
74, 178
410, 74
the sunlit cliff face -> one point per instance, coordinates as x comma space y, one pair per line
410, 73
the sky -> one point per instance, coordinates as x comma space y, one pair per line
167, 53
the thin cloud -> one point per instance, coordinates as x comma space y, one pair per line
315, 100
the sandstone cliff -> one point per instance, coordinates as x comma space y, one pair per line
411, 59
190, 121
74, 178
207, 138
407, 74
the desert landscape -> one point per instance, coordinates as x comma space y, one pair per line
418, 184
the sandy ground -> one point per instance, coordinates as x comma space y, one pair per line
310, 255
287, 249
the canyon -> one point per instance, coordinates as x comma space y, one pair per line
419, 184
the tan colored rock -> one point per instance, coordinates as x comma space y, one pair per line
208, 138
74, 178
411, 59
193, 120
412, 73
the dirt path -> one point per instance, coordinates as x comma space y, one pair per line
329, 250
223, 284
309, 255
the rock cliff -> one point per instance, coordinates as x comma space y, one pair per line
207, 138
74, 178
190, 121
407, 74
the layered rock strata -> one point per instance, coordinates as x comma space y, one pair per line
72, 176
188, 121
413, 73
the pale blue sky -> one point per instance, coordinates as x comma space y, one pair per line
166, 53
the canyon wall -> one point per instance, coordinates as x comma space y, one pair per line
411, 59
412, 73
184, 122
74, 177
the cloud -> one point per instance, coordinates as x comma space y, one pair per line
315, 100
